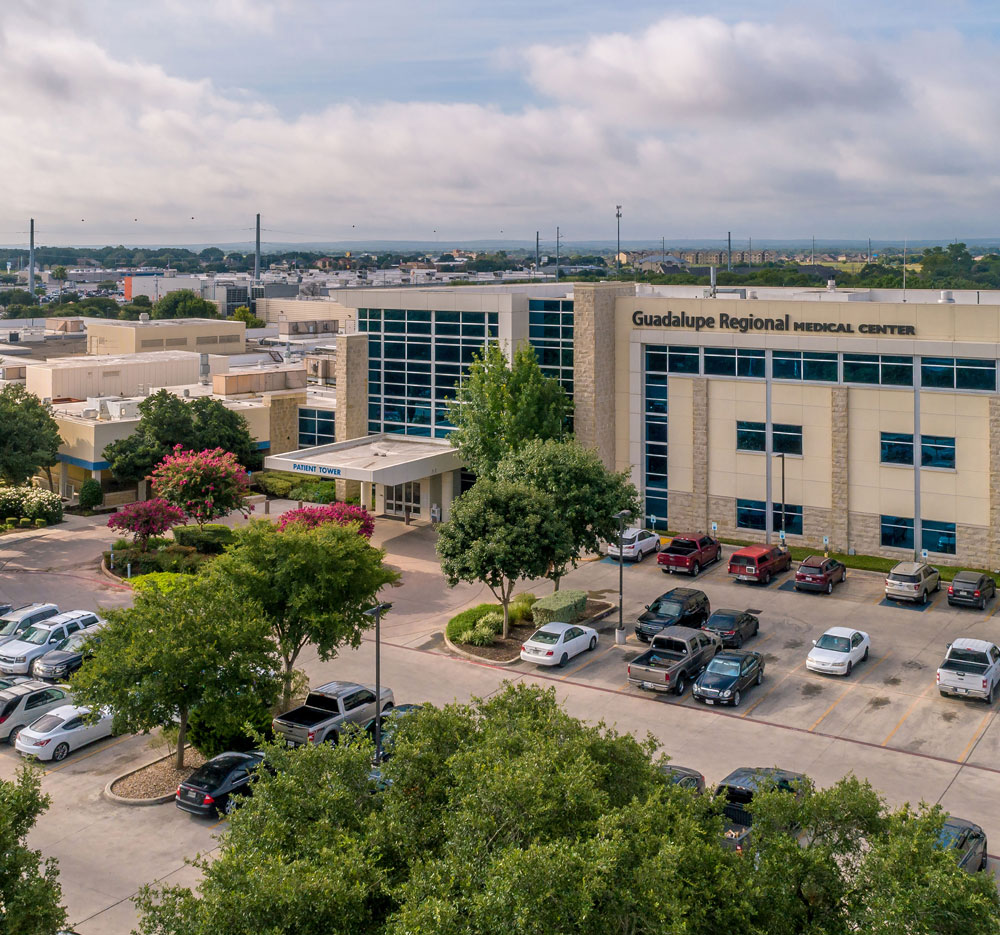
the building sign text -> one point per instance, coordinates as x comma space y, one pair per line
746, 323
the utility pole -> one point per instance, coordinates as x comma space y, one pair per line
663, 250
904, 269
729, 252
31, 257
538, 253
814, 251
869, 250
256, 256
618, 255
557, 254
750, 251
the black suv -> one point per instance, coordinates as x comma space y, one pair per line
681, 607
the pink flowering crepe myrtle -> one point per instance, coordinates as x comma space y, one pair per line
204, 485
145, 519
343, 514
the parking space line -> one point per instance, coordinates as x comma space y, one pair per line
996, 607
840, 698
980, 730
874, 667
771, 689
591, 660
78, 759
906, 714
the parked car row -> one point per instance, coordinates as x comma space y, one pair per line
38, 640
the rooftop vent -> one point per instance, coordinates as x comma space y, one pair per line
946, 297
144, 317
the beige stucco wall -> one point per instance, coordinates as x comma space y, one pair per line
203, 336
80, 377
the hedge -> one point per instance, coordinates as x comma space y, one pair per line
468, 619
30, 503
211, 540
563, 606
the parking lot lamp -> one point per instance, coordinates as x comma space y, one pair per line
377, 612
621, 516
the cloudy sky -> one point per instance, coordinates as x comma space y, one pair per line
446, 120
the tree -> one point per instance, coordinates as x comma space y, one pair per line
500, 407
10, 297
175, 652
30, 437
500, 532
587, 493
58, 273
313, 585
146, 518
91, 494
166, 420
204, 485
242, 313
184, 303
344, 514
506, 816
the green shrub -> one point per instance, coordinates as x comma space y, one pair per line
11, 521
91, 494
465, 637
564, 606
520, 608
24, 522
492, 621
212, 540
30, 503
162, 581
121, 545
275, 483
317, 492
182, 559
468, 619
214, 729
483, 635
40, 524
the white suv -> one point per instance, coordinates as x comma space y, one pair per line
16, 621
912, 581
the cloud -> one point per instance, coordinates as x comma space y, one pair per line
695, 125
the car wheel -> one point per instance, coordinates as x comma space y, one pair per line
923, 597
230, 805
12, 736
681, 685
760, 676
865, 656
766, 580
850, 667
695, 568
982, 603
829, 587
563, 660
984, 863
61, 752
937, 585
657, 546
756, 628
640, 555
593, 643
736, 700
739, 642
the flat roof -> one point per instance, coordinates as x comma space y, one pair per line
167, 322
108, 360
377, 459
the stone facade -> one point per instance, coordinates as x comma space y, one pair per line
994, 544
283, 419
351, 379
593, 378
839, 527
816, 523
699, 440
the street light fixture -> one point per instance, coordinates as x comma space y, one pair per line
618, 255
377, 612
621, 516
781, 455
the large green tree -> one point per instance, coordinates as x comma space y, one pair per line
587, 494
29, 439
17, 297
166, 420
499, 533
175, 651
501, 406
311, 585
184, 303
30, 896
507, 816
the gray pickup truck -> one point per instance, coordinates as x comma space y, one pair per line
971, 668
677, 656
327, 710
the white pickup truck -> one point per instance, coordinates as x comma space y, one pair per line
971, 668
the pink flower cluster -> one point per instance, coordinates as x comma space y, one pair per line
203, 484
146, 518
343, 514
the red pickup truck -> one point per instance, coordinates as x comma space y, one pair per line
759, 563
690, 553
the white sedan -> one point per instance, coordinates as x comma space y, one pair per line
63, 729
636, 544
838, 651
556, 643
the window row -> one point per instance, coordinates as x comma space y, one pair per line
752, 514
550, 305
316, 427
935, 450
823, 367
752, 436
897, 533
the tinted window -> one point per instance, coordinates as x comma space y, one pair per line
215, 771
663, 608
46, 723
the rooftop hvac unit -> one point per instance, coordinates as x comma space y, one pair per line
90, 413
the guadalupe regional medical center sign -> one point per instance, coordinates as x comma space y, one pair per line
747, 323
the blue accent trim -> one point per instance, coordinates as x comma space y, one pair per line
89, 465
262, 445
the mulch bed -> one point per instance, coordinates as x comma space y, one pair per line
509, 649
159, 778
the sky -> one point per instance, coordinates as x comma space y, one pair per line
449, 122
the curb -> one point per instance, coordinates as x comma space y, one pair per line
510, 662
110, 796
108, 573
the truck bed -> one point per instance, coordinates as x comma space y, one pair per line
959, 665
658, 659
304, 717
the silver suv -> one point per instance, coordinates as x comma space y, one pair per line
24, 703
16, 621
912, 581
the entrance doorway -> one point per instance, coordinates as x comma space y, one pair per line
401, 499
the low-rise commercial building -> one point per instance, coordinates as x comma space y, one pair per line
204, 335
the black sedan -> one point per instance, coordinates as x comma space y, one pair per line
216, 786
61, 663
683, 776
972, 589
967, 841
728, 675
734, 626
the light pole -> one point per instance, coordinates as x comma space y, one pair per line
377, 612
621, 516
781, 455
618, 255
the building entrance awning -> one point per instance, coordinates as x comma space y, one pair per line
376, 459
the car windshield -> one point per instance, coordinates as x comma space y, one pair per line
545, 636
948, 836
721, 620
8, 625
214, 771
665, 608
837, 644
36, 636
46, 723
724, 667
